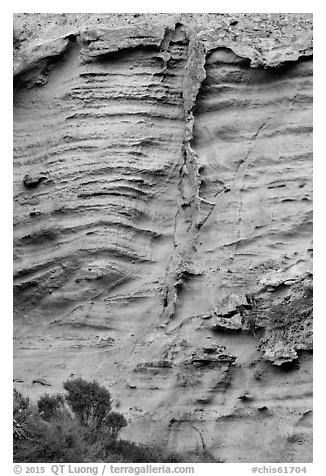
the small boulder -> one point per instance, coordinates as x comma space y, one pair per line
31, 181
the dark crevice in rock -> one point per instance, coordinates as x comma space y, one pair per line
36, 72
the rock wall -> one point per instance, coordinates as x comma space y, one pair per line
163, 223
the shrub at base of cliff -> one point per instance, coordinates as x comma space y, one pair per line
90, 402
78, 427
46, 434
49, 405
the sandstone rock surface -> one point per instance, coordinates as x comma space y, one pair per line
163, 223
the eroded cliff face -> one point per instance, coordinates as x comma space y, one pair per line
163, 214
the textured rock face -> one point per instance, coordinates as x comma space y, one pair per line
163, 214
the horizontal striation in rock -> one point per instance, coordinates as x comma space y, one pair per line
163, 201
252, 142
106, 138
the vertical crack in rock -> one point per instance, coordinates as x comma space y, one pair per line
239, 177
201, 438
186, 218
192, 211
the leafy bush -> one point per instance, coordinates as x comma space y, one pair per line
78, 427
90, 402
127, 451
20, 403
49, 405
61, 441
26, 419
114, 422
